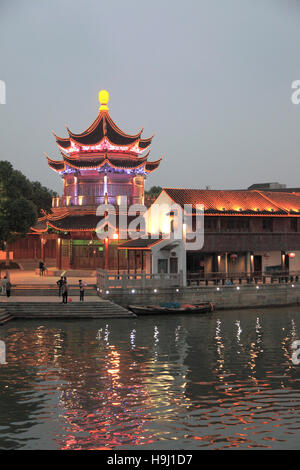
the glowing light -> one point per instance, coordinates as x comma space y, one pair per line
292, 255
80, 198
238, 288
115, 236
103, 99
133, 291
155, 291
105, 185
184, 231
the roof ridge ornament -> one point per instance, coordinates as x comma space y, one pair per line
103, 99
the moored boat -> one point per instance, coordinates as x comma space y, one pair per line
169, 309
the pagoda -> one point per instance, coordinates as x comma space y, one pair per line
102, 165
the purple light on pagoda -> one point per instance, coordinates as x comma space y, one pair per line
104, 145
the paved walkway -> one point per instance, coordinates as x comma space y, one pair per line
42, 298
30, 277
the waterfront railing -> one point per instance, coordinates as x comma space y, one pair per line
108, 281
215, 278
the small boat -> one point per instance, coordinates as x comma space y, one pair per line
169, 309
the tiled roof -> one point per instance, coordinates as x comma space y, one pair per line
103, 126
139, 243
65, 221
237, 201
95, 162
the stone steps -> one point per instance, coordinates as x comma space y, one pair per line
4, 316
100, 309
49, 290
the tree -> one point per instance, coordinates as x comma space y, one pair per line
154, 191
20, 203
42, 196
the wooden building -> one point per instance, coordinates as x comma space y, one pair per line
102, 165
245, 231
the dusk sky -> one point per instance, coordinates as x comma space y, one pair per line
211, 78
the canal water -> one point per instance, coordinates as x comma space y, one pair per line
218, 381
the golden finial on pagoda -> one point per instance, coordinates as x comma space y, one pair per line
103, 98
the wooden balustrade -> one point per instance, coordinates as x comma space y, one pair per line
216, 278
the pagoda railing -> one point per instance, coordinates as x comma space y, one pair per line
67, 201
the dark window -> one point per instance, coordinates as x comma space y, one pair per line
268, 225
235, 224
211, 224
173, 265
294, 224
162, 265
172, 222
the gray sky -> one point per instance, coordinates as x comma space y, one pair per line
212, 79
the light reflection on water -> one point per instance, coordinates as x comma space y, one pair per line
219, 381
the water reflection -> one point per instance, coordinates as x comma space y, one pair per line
219, 381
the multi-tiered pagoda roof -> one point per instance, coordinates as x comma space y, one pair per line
103, 146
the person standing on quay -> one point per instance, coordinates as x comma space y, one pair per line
4, 282
8, 288
41, 267
81, 291
60, 283
65, 293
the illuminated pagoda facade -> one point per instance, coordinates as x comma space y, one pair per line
102, 165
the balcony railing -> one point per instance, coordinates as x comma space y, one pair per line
256, 277
68, 201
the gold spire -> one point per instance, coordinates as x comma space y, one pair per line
103, 98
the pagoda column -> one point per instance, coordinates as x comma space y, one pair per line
106, 254
43, 242
58, 253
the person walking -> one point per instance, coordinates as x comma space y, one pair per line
81, 291
60, 283
65, 293
4, 283
8, 288
41, 266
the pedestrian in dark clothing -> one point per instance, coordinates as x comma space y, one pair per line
41, 266
81, 291
65, 293
8, 288
60, 283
